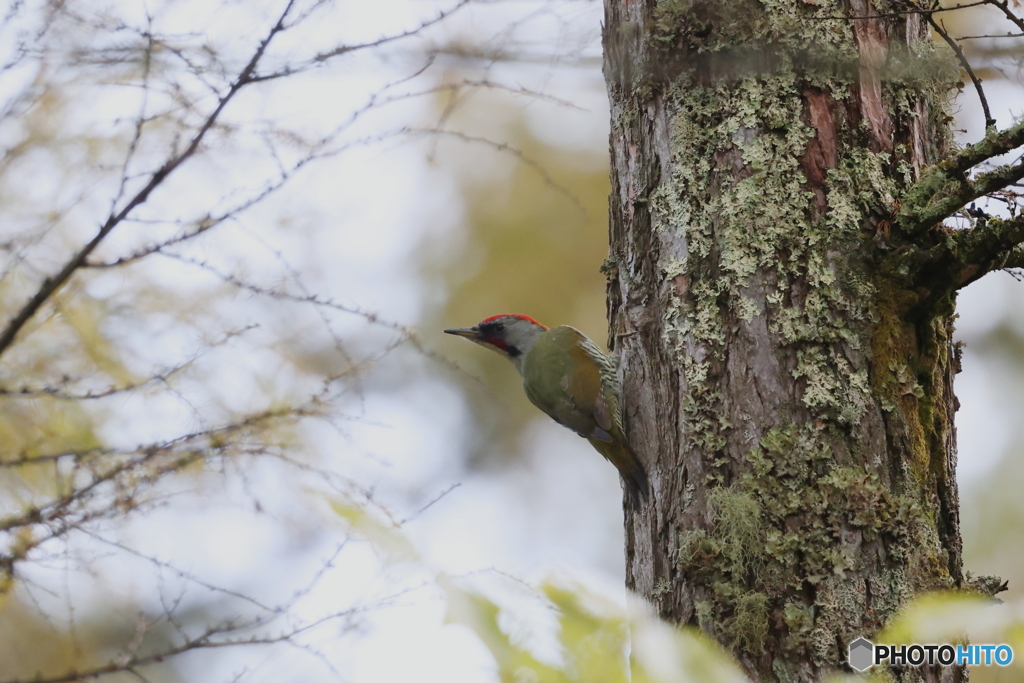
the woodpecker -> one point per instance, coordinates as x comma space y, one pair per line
570, 378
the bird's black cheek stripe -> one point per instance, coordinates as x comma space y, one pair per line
512, 351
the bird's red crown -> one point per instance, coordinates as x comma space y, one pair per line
512, 315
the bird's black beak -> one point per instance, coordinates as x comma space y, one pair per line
467, 332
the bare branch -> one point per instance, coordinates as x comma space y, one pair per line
188, 576
159, 378
324, 57
227, 634
903, 13
941, 30
134, 468
436, 499
140, 120
208, 639
407, 333
51, 284
318, 150
991, 35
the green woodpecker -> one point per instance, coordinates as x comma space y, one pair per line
568, 377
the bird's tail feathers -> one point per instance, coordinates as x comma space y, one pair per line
629, 466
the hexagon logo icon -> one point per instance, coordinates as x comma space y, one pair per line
861, 654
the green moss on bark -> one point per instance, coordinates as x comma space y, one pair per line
798, 519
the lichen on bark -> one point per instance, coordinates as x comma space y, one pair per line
788, 388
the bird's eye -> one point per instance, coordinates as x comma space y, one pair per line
499, 327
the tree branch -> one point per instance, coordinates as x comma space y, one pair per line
944, 188
206, 640
1004, 6
1014, 257
504, 147
406, 332
994, 244
991, 36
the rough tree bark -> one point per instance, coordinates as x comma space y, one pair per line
781, 293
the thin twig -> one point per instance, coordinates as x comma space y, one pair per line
161, 377
941, 30
903, 13
432, 502
324, 57
407, 332
188, 576
1006, 35
504, 147
141, 120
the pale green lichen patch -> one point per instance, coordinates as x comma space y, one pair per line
747, 308
760, 222
832, 382
762, 24
738, 529
860, 185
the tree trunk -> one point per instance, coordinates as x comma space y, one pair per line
787, 386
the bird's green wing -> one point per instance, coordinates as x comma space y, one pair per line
591, 387
585, 399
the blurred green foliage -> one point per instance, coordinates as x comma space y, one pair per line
597, 641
